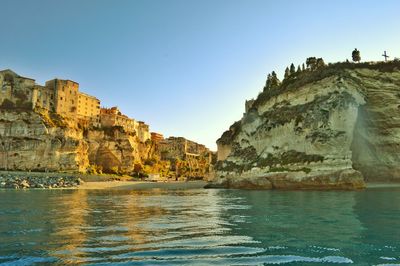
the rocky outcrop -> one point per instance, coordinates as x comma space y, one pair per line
39, 140
26, 180
115, 150
30, 141
323, 129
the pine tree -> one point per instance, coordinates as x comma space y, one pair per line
311, 62
268, 83
298, 69
320, 63
356, 55
274, 80
287, 73
292, 69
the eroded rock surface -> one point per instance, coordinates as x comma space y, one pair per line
325, 129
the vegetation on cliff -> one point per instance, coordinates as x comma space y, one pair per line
316, 71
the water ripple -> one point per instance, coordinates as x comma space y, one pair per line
198, 227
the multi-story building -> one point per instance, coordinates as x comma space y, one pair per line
156, 137
111, 117
16, 91
45, 98
88, 108
65, 96
143, 131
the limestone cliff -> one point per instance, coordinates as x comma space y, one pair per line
115, 150
331, 127
39, 140
31, 141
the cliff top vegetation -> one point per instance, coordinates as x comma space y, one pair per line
315, 70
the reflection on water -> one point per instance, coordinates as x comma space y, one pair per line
225, 227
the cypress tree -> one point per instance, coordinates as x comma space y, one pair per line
287, 73
292, 69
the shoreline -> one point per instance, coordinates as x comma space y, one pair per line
138, 185
114, 182
41, 180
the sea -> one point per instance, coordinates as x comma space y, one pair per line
199, 227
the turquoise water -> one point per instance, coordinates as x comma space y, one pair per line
199, 227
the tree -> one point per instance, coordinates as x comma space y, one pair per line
268, 83
298, 69
303, 67
292, 69
320, 63
287, 73
356, 55
274, 80
311, 62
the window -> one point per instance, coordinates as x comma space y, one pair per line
61, 98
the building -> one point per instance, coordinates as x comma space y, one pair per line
111, 117
179, 147
45, 98
88, 108
65, 99
59, 96
16, 91
143, 132
156, 137
65, 96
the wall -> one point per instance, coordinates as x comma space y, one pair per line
66, 96
17, 89
88, 108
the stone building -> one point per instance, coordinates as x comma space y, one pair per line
156, 137
143, 131
88, 108
16, 91
65, 96
60, 96
187, 158
179, 147
111, 117
45, 98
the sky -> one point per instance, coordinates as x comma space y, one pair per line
186, 67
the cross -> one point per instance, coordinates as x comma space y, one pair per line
385, 56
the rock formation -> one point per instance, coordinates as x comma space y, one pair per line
328, 128
39, 140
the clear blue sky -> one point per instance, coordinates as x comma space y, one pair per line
183, 66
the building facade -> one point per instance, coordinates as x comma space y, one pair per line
16, 91
111, 117
64, 98
156, 137
88, 108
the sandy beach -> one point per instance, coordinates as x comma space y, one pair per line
142, 185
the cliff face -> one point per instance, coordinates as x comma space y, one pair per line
115, 150
47, 142
30, 142
43, 141
328, 128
